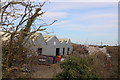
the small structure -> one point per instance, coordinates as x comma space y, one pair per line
63, 46
53, 45
36, 44
49, 45
69, 47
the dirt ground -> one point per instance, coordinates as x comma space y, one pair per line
45, 71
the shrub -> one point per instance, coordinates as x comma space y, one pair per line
76, 68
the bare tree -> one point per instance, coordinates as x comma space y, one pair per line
18, 21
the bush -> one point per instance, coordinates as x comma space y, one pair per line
76, 68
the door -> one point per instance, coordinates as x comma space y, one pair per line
68, 50
63, 51
57, 51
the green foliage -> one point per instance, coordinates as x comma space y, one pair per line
76, 68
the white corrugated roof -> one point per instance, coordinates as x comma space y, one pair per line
66, 40
48, 37
34, 36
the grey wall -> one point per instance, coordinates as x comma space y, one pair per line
52, 45
49, 48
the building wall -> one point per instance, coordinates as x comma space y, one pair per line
63, 45
40, 43
49, 47
52, 45
33, 45
29, 45
69, 45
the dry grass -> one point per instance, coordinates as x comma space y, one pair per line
102, 67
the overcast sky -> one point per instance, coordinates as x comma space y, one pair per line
79, 0
84, 22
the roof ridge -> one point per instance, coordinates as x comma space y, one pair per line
48, 37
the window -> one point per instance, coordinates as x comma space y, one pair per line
54, 43
39, 50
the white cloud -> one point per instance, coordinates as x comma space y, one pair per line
57, 6
97, 16
54, 15
98, 19
68, 25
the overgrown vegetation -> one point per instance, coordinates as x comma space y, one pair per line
17, 23
91, 66
81, 49
114, 52
16, 68
76, 68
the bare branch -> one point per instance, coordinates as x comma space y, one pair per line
6, 6
41, 5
